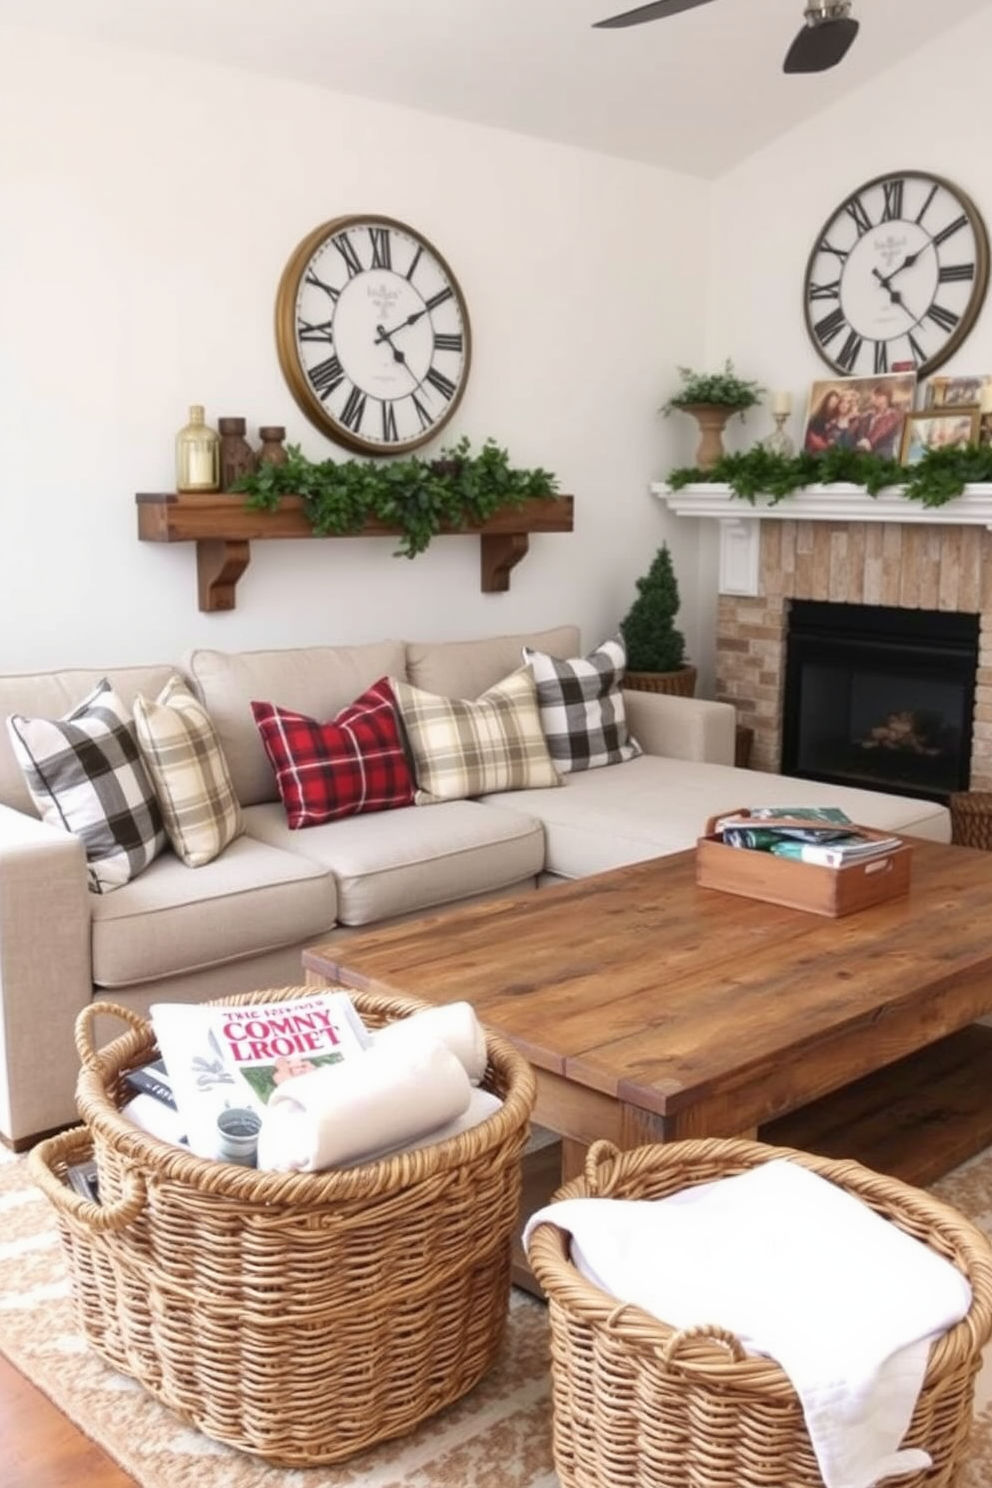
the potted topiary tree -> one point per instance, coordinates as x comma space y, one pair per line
655, 648
711, 398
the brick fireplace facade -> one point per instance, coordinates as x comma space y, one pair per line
915, 566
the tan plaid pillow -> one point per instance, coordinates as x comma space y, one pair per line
462, 748
182, 754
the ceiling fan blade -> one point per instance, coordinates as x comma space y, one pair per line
655, 12
820, 47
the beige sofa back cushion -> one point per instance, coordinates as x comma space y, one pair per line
465, 669
316, 680
53, 694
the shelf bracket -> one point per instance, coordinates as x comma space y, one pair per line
500, 553
220, 562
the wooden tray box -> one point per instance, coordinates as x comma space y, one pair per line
808, 886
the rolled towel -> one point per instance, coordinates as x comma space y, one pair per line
339, 1113
454, 1024
480, 1108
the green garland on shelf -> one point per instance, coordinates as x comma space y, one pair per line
940, 475
417, 496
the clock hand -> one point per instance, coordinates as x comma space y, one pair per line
893, 294
907, 263
384, 335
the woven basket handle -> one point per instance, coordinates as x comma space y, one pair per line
599, 1154
711, 1334
100, 1218
85, 1019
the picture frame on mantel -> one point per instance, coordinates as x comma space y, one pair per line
859, 413
962, 390
938, 428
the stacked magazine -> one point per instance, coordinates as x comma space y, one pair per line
824, 835
220, 1064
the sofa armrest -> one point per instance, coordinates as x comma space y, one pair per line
682, 728
45, 973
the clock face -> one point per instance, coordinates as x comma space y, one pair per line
897, 276
373, 334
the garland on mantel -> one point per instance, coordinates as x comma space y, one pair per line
417, 496
940, 475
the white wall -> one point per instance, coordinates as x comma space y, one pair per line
148, 208
925, 114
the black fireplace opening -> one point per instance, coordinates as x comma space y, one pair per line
879, 697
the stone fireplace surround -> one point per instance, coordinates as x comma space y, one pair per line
902, 555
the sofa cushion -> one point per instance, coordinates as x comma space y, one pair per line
464, 669
461, 748
182, 754
53, 694
318, 681
354, 763
170, 922
582, 706
401, 862
650, 806
86, 775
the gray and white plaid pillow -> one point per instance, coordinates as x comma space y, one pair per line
85, 775
461, 748
582, 708
182, 752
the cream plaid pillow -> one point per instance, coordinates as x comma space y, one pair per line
182, 754
461, 748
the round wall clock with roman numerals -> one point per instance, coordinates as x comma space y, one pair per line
373, 334
897, 275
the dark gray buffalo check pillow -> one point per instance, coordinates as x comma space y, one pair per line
85, 775
582, 709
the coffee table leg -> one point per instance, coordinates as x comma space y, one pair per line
573, 1159
641, 1128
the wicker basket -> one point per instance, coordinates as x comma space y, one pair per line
681, 682
636, 1402
971, 819
301, 1317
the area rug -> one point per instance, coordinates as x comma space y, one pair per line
497, 1437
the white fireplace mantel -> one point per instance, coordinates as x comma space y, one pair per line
740, 532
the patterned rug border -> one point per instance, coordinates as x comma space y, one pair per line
499, 1436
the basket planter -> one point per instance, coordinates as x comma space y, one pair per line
681, 682
300, 1317
971, 819
637, 1402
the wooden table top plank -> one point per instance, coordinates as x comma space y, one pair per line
639, 984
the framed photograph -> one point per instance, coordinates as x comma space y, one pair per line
962, 391
938, 428
865, 413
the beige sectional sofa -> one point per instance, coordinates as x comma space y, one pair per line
240, 922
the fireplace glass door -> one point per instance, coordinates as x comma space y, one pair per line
880, 697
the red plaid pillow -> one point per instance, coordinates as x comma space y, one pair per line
328, 770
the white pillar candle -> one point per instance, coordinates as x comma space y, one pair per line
781, 402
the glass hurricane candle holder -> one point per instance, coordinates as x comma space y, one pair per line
778, 442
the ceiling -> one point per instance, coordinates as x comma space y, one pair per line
696, 92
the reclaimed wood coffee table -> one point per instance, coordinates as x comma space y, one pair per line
655, 1010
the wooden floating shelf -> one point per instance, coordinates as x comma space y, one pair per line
223, 529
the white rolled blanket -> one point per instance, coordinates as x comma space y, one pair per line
479, 1109
340, 1113
454, 1024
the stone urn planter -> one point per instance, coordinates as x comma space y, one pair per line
712, 419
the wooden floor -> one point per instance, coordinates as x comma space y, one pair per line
42, 1448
